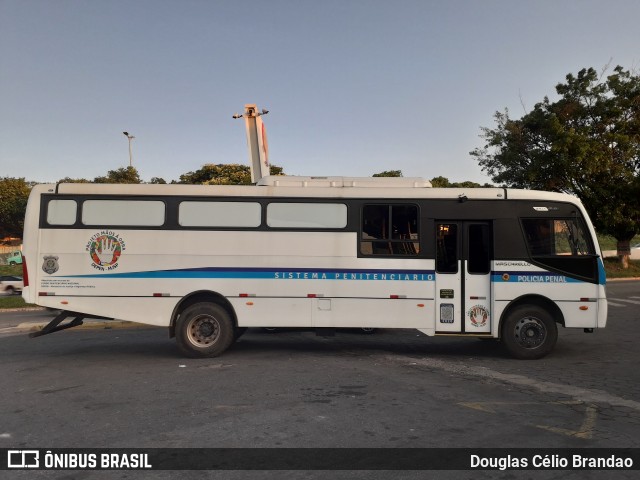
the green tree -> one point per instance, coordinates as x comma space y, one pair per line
586, 143
14, 193
223, 174
440, 182
121, 175
389, 173
73, 180
436, 182
443, 182
158, 180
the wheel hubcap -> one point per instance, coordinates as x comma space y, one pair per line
203, 330
530, 332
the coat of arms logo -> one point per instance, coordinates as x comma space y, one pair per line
50, 264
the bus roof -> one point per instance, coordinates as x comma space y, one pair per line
329, 187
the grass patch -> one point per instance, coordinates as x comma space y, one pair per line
13, 301
11, 270
607, 242
614, 268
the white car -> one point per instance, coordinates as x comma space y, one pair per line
10, 284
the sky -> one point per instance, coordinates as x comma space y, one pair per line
353, 87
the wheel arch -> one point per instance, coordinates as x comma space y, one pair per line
197, 297
538, 300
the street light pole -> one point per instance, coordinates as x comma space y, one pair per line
130, 137
256, 141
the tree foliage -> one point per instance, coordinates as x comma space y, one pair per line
224, 174
436, 182
121, 175
443, 182
586, 143
14, 193
389, 173
73, 180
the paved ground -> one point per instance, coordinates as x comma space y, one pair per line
131, 388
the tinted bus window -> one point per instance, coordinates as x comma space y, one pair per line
479, 242
219, 214
447, 248
389, 230
143, 213
62, 212
307, 215
549, 236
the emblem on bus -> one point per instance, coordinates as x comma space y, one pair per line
105, 249
50, 264
478, 314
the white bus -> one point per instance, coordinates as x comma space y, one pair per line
331, 252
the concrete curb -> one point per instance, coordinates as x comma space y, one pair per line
87, 325
22, 309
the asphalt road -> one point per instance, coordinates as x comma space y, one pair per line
129, 387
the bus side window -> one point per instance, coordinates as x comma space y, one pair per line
539, 236
447, 248
479, 238
389, 230
61, 212
549, 236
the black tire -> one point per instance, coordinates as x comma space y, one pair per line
12, 263
10, 290
204, 330
529, 332
238, 332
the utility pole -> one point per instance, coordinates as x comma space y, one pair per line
130, 137
256, 141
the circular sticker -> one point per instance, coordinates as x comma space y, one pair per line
478, 314
105, 250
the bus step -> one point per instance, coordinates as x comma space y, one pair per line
54, 325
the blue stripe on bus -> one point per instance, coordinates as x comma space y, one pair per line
530, 277
602, 274
275, 273
327, 274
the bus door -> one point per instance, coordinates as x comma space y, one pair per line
463, 276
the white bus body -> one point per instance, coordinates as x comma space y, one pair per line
335, 252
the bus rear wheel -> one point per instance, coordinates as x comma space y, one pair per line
204, 330
529, 332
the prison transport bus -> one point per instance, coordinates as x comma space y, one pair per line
332, 252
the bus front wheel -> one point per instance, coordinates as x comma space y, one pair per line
529, 332
204, 330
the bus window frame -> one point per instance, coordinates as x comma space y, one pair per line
390, 204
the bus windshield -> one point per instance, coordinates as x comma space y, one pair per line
556, 236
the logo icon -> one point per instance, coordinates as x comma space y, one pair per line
105, 249
478, 314
50, 264
23, 459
